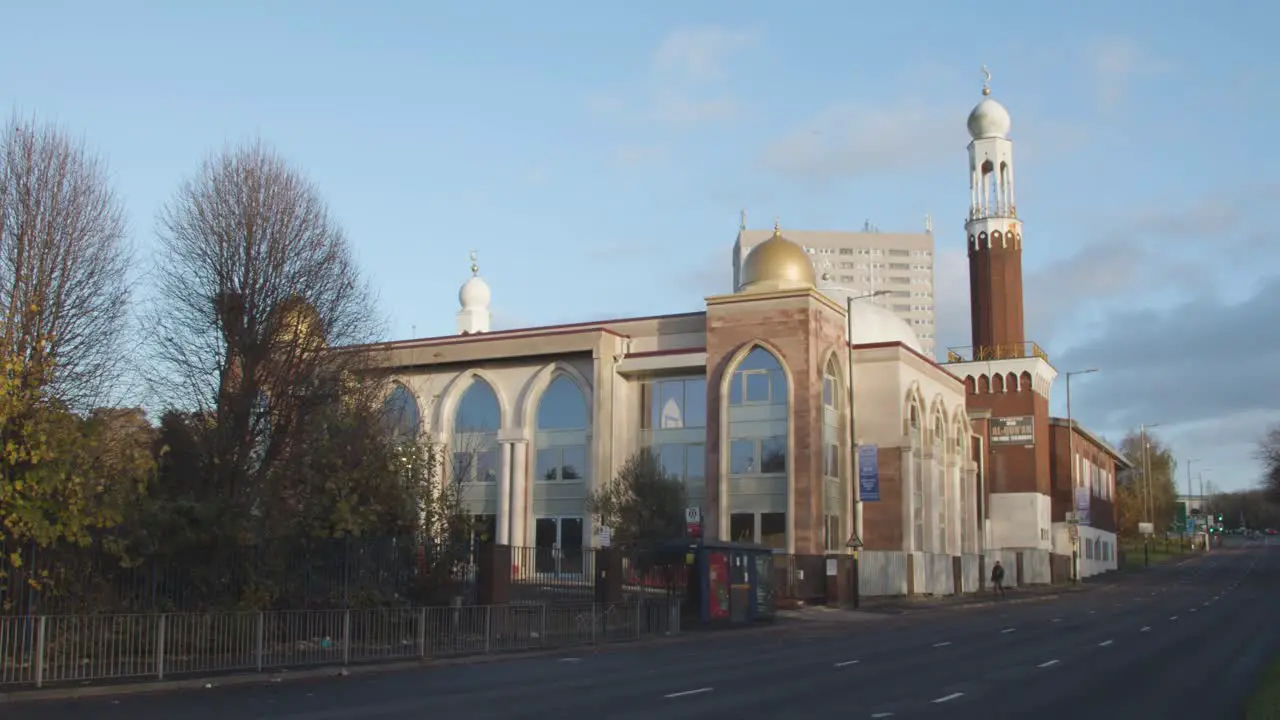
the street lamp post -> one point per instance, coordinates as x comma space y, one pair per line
853, 446
1188, 503
1147, 504
1071, 459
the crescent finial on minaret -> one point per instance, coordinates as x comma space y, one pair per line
475, 267
986, 81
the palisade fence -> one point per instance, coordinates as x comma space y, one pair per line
39, 651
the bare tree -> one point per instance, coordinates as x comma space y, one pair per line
254, 281
64, 262
1268, 454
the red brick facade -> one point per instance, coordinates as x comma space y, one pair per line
995, 289
1102, 510
803, 329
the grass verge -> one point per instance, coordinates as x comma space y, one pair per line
1265, 703
1158, 551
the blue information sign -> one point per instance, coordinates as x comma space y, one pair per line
869, 472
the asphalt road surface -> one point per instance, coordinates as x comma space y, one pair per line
1179, 641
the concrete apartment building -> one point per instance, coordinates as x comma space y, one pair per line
900, 264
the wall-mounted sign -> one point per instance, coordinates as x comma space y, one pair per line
1016, 430
869, 473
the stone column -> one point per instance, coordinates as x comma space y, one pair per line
519, 493
503, 521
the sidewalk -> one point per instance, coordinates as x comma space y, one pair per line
873, 607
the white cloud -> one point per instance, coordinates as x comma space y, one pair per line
684, 86
695, 56
1117, 62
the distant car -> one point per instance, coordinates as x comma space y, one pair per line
1271, 531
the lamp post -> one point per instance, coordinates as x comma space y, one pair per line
1188, 503
1071, 459
855, 538
1146, 481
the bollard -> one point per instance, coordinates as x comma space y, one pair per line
40, 643
160, 627
261, 633
422, 633
346, 637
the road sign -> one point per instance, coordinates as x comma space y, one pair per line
1146, 528
1072, 518
693, 521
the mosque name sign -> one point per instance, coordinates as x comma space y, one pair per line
1016, 430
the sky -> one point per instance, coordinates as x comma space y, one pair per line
597, 156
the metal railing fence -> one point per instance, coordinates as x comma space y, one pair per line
39, 651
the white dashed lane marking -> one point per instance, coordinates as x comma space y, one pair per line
846, 663
949, 698
1047, 663
1007, 630
942, 644
686, 693
1105, 643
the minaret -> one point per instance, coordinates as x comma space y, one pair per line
474, 298
994, 234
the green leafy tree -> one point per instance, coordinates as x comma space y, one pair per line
1152, 493
644, 505
1268, 453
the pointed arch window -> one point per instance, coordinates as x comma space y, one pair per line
833, 422
562, 432
475, 434
401, 417
916, 433
758, 407
941, 472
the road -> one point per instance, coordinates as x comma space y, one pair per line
1177, 641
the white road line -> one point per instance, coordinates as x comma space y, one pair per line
949, 698
1194, 609
846, 663
570, 660
1007, 630
1105, 643
1173, 617
1047, 663
1145, 628
882, 715
1056, 620
686, 693
1091, 612
944, 643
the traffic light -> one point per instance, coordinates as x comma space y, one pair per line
1219, 517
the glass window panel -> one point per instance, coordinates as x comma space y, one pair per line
695, 402
742, 457
695, 460
778, 383
573, 463
487, 466
742, 527
400, 413
759, 359
463, 467
773, 455
757, 387
562, 406
670, 404
547, 465
831, 464
672, 459
828, 392
735, 389
478, 409
773, 530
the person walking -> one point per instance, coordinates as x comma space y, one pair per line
997, 579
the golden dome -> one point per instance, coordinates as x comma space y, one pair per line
299, 325
777, 264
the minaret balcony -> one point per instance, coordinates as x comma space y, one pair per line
978, 212
1011, 351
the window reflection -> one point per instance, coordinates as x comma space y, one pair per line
758, 379
478, 409
674, 403
400, 414
562, 406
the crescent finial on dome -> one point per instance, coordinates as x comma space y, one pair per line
475, 266
986, 81
777, 227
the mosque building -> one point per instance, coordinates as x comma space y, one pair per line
747, 401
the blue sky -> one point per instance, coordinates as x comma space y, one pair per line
597, 155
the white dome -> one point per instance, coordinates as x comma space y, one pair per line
870, 324
474, 294
989, 119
